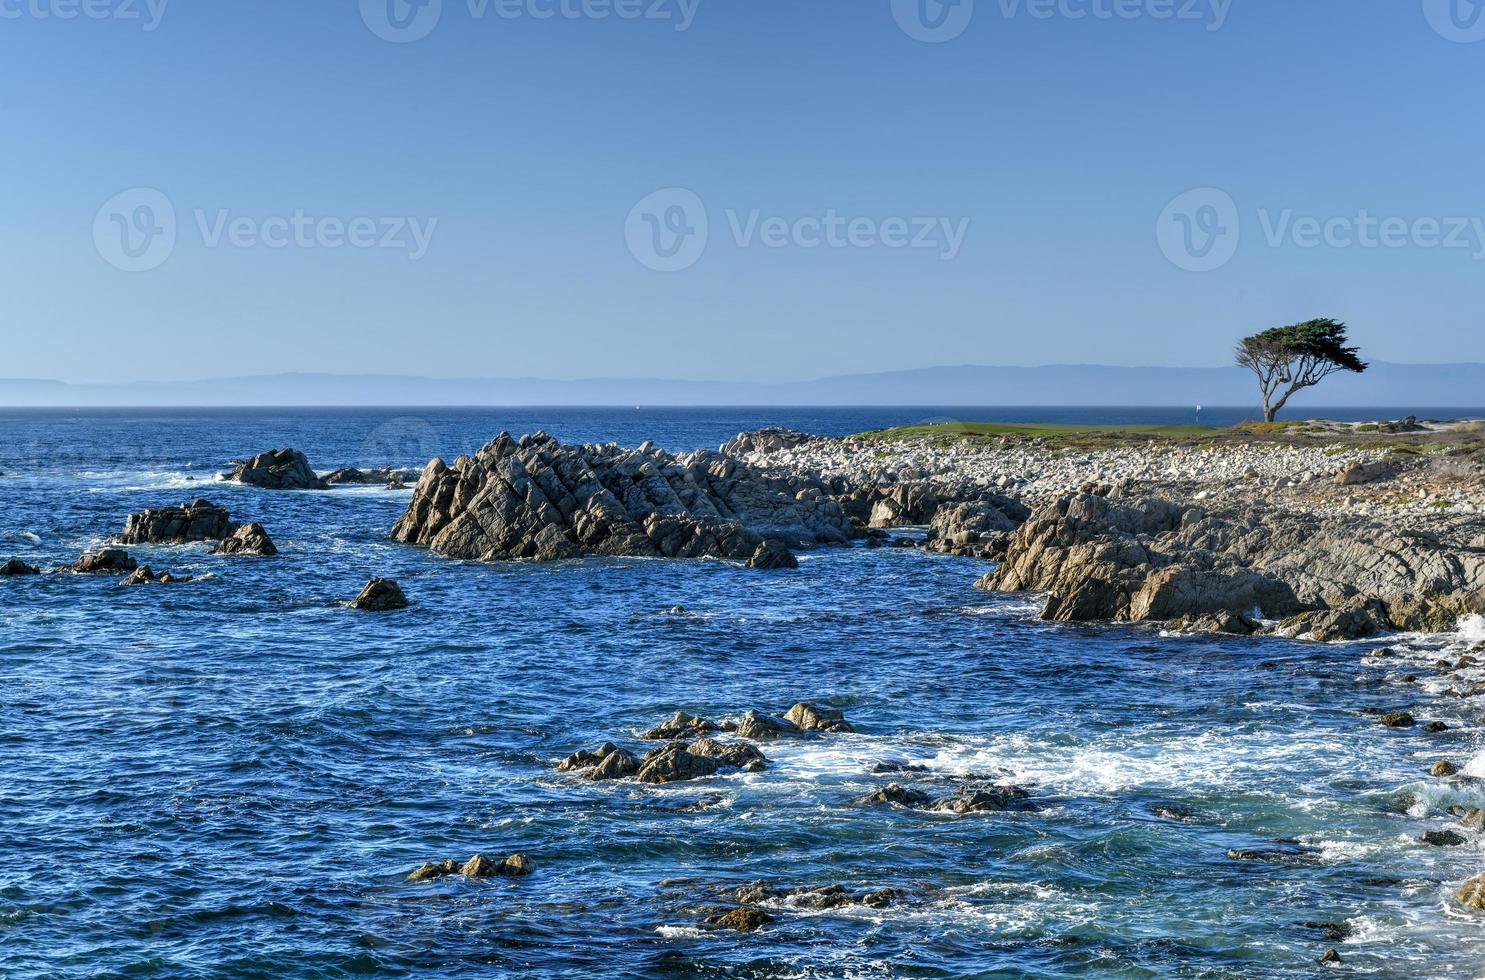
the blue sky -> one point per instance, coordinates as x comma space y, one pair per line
1001, 197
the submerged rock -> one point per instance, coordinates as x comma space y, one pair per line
1443, 768
14, 568
1442, 838
895, 794
282, 469
386, 477
434, 869
250, 539
479, 866
380, 595
992, 800
1397, 719
740, 919
537, 498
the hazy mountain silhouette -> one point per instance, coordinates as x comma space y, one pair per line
1419, 386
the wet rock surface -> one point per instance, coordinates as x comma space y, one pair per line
144, 575
109, 561
15, 568
479, 866
250, 539
380, 595
199, 520
281, 469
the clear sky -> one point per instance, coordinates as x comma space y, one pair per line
507, 162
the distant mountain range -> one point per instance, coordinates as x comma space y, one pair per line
1406, 386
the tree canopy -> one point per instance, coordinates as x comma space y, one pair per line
1288, 359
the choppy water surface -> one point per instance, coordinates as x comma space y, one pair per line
234, 776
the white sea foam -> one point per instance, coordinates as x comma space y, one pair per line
1472, 628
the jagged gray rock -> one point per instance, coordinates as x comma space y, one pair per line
1142, 558
250, 539
109, 561
199, 520
282, 469
537, 498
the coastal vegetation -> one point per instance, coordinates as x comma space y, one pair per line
1289, 359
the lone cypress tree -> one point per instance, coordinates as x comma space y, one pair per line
1287, 359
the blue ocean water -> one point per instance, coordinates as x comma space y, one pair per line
233, 777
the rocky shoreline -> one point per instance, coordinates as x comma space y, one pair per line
1324, 542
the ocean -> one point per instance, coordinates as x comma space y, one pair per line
233, 777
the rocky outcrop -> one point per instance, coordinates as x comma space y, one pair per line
608, 761
250, 539
1141, 558
771, 554
678, 762
1471, 894
765, 441
678, 726
144, 575
109, 561
953, 509
479, 866
199, 520
282, 469
536, 498
813, 717
740, 919
377, 477
673, 762
14, 568
380, 595
974, 799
